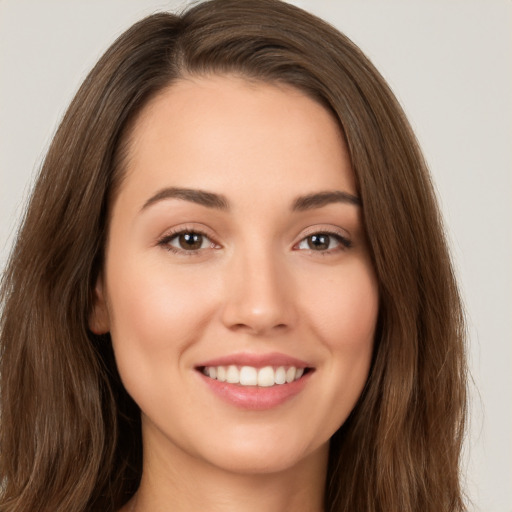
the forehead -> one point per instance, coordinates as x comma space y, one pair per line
220, 133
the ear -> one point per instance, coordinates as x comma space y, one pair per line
99, 321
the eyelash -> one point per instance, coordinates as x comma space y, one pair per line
165, 241
344, 243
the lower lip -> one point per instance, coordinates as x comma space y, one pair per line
253, 397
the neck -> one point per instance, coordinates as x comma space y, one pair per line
175, 481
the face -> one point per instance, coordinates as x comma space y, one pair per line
237, 285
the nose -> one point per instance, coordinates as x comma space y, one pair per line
259, 295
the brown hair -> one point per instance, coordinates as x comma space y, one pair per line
70, 435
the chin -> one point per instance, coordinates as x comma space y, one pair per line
265, 455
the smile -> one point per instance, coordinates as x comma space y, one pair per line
255, 381
267, 376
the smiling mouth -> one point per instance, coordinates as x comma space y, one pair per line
267, 376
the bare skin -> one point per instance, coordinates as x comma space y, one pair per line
228, 492
237, 243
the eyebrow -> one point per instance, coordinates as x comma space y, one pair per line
208, 199
320, 199
219, 202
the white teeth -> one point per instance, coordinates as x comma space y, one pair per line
266, 377
221, 373
250, 376
233, 375
290, 374
280, 376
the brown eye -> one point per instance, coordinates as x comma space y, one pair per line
186, 242
190, 241
319, 242
324, 242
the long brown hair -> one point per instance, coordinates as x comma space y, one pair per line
70, 435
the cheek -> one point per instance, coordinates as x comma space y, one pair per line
155, 313
343, 313
344, 307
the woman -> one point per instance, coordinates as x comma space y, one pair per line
176, 344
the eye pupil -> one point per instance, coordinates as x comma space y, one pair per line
319, 242
190, 241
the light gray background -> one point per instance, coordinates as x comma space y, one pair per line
449, 62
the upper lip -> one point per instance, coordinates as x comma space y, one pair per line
256, 360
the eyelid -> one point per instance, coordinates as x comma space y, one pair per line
168, 235
342, 235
